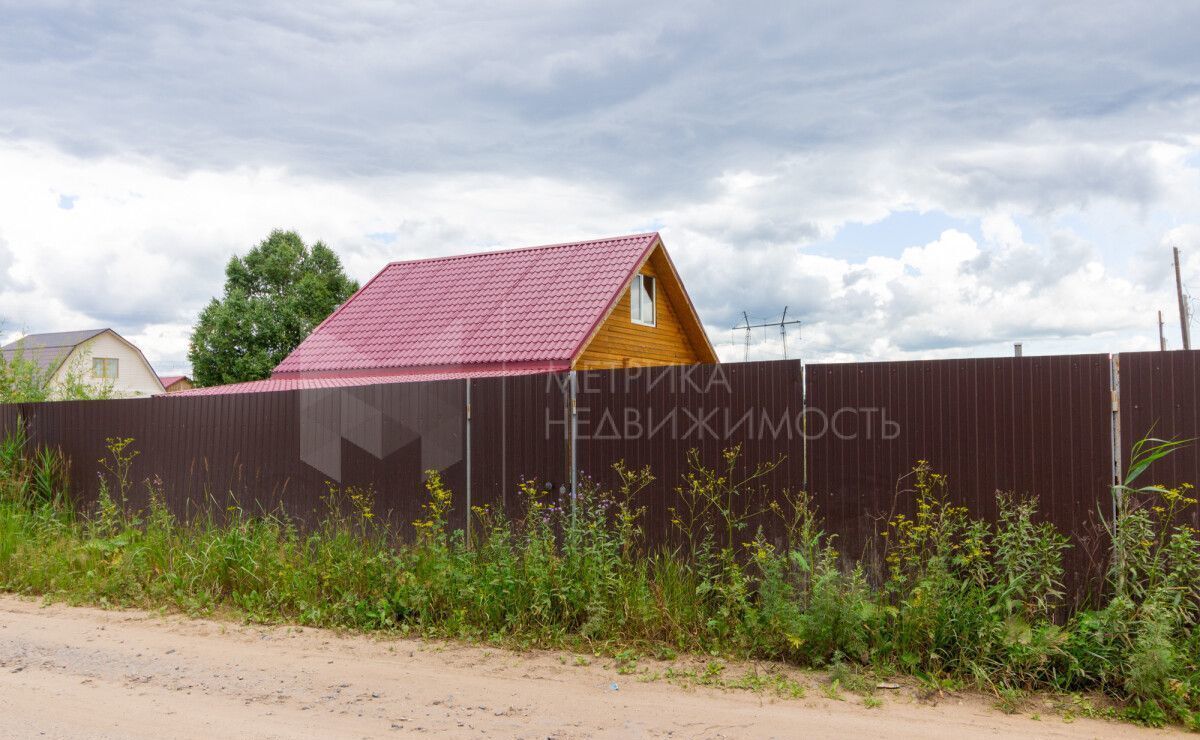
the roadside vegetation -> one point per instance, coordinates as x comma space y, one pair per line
958, 601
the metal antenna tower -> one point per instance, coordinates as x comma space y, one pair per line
746, 350
783, 324
783, 331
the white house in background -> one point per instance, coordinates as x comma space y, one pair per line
97, 357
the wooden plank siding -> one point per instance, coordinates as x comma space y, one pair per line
620, 343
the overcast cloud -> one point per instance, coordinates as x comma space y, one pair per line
912, 180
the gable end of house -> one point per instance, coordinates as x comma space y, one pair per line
628, 335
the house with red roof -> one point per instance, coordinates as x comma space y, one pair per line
175, 383
604, 303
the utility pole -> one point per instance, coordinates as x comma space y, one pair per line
1183, 311
783, 324
1162, 338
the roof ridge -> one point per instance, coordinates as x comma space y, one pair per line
489, 252
69, 331
80, 336
480, 307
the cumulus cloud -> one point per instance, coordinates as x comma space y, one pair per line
956, 296
142, 148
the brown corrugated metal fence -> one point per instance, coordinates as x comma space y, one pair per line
1160, 397
1040, 426
654, 416
518, 431
1037, 426
266, 451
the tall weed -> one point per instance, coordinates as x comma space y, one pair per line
961, 599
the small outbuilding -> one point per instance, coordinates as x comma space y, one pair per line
176, 383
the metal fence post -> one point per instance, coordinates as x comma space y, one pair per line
467, 445
1114, 365
574, 440
804, 423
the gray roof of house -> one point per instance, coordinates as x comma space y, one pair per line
48, 350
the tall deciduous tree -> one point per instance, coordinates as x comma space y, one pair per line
274, 296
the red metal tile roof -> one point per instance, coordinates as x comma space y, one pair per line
293, 384
532, 305
170, 380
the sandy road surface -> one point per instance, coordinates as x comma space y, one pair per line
72, 672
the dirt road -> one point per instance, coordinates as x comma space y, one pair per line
72, 672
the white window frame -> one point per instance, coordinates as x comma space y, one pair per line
636, 288
102, 365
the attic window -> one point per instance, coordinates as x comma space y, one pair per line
641, 300
104, 367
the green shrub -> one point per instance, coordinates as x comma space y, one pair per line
960, 600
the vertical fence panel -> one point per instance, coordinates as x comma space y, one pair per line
519, 430
1025, 425
1159, 398
655, 416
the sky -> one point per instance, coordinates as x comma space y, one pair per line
911, 180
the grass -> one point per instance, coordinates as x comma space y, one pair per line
714, 674
960, 603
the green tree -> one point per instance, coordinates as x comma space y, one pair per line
274, 296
